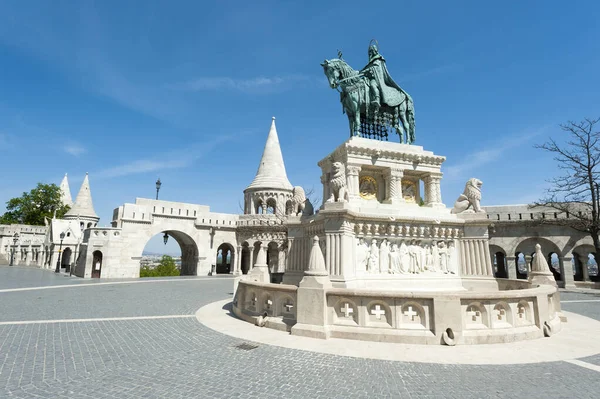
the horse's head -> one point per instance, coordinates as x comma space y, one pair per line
332, 72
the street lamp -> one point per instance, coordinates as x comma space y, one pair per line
62, 237
14, 248
165, 238
158, 184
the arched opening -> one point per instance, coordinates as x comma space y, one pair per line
273, 262
500, 270
169, 253
259, 207
578, 267
246, 258
522, 266
89, 225
289, 208
527, 246
225, 258
96, 264
592, 266
255, 252
271, 206
65, 260
554, 264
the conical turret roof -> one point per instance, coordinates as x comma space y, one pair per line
271, 170
65, 192
83, 206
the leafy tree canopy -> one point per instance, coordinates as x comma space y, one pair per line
32, 207
166, 267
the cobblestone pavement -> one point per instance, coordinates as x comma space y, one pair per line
170, 355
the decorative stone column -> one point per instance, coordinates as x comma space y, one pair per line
260, 271
325, 183
433, 193
585, 272
238, 261
394, 186
566, 268
511, 266
352, 172
311, 297
528, 259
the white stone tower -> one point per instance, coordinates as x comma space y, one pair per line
270, 191
65, 192
83, 208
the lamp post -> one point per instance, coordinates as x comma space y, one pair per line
158, 184
62, 237
165, 238
14, 248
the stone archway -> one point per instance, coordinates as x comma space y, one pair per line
65, 260
225, 258
96, 264
499, 261
527, 248
246, 258
189, 250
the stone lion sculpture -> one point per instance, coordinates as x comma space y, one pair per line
337, 184
300, 204
469, 200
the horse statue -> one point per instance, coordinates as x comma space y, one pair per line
374, 103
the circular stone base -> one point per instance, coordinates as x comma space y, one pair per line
576, 340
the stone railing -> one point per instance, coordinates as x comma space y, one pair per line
273, 304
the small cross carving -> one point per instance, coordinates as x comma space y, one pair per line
268, 303
474, 314
288, 307
411, 313
347, 310
253, 301
521, 311
378, 312
500, 313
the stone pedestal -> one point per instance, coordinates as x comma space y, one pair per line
260, 271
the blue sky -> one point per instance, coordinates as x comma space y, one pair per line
130, 91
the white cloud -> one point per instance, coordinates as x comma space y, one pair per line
493, 152
74, 149
261, 82
176, 160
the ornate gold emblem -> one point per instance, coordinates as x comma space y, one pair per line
368, 187
409, 191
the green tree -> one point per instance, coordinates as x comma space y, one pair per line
32, 207
166, 267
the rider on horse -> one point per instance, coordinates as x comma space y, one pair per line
382, 87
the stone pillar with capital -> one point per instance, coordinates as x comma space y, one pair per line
352, 172
511, 266
394, 186
433, 192
566, 270
260, 271
325, 183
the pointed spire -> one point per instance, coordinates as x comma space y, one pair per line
65, 192
271, 170
83, 206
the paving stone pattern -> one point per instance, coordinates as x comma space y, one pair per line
181, 358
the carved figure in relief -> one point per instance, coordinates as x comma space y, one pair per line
373, 262
428, 258
384, 256
404, 258
452, 258
395, 259
414, 257
469, 200
362, 253
443, 257
337, 184
435, 257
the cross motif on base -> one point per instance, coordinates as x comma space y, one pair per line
521, 311
268, 303
410, 313
347, 310
474, 314
253, 301
500, 313
378, 312
288, 307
